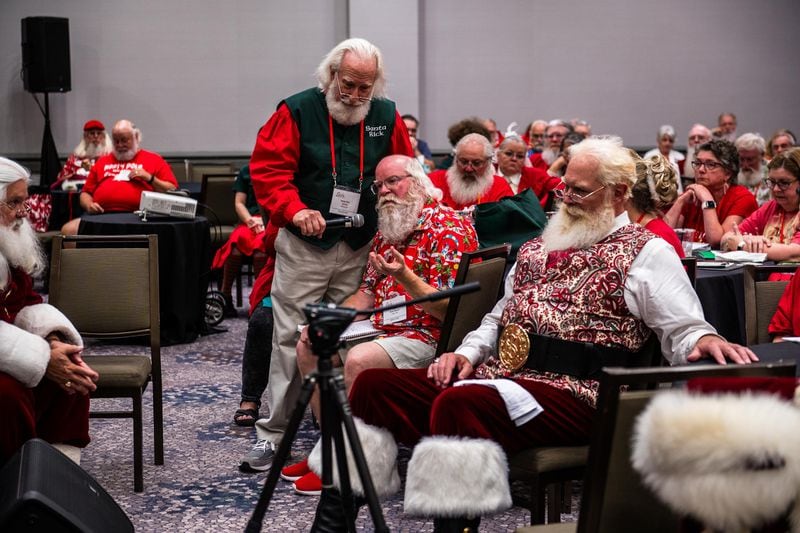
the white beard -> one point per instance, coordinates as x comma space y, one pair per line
572, 227
466, 191
346, 115
549, 155
749, 178
397, 220
86, 150
20, 248
127, 156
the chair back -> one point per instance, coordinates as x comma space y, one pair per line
614, 497
196, 171
761, 298
107, 285
465, 312
216, 197
690, 265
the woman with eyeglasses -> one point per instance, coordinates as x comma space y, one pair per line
772, 229
656, 188
714, 203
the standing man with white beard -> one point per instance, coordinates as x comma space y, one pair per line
588, 293
315, 159
117, 180
44, 383
470, 179
415, 253
752, 166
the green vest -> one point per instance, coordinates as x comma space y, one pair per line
313, 177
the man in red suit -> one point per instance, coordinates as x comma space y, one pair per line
44, 383
471, 180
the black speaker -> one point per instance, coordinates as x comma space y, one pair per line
45, 55
42, 490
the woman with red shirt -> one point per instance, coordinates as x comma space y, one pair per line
656, 188
714, 203
773, 228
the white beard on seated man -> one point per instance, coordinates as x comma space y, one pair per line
44, 383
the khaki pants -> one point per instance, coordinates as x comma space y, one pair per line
303, 274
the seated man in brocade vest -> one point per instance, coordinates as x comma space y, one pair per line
588, 293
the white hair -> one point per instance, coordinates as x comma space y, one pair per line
614, 162
360, 48
476, 138
11, 172
414, 168
751, 141
667, 130
84, 149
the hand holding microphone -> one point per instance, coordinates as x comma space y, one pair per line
310, 222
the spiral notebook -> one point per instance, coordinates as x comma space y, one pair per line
360, 329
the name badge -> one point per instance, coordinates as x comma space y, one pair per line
393, 316
124, 175
345, 201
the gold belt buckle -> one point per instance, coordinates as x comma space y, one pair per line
513, 347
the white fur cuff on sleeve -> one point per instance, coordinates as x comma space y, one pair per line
23, 356
43, 319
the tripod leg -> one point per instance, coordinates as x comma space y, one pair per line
254, 524
346, 417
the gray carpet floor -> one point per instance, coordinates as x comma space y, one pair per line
199, 488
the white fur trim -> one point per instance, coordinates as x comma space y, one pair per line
23, 356
380, 450
701, 454
4, 272
72, 452
455, 477
43, 319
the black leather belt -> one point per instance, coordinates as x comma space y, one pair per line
584, 360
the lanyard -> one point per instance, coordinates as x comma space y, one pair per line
360, 154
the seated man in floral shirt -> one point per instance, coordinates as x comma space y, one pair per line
416, 252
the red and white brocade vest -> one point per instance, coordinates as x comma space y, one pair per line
576, 295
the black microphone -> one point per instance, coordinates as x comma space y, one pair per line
353, 221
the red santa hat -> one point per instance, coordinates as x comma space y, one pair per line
93, 125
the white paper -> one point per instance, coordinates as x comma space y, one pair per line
360, 329
740, 256
124, 175
522, 407
792, 339
393, 316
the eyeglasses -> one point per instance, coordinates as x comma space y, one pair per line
18, 206
697, 138
576, 197
781, 185
555, 135
710, 165
513, 155
474, 163
391, 183
351, 88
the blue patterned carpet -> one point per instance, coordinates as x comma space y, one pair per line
199, 488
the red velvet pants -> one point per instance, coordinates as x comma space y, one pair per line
45, 411
411, 406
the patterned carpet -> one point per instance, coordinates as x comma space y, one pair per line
199, 488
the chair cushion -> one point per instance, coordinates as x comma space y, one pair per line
120, 371
547, 459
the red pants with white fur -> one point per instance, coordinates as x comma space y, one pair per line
411, 406
45, 411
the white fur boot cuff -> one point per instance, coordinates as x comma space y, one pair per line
455, 477
380, 450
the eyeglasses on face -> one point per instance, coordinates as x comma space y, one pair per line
391, 183
575, 196
710, 165
474, 163
512, 154
351, 88
781, 185
18, 206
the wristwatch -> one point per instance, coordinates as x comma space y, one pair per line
709, 204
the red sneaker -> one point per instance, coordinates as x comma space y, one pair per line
295, 471
310, 485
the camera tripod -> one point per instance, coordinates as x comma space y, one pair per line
326, 324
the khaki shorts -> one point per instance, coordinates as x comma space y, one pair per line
404, 352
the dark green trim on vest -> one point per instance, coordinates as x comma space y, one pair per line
313, 178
